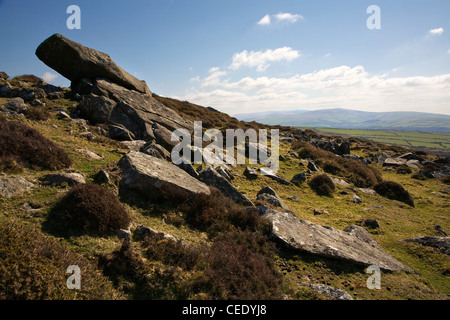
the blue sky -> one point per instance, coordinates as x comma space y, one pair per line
254, 55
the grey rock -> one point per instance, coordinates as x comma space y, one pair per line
368, 191
269, 173
124, 235
250, 173
59, 178
95, 107
145, 174
155, 150
312, 166
440, 230
440, 243
370, 223
354, 244
75, 62
141, 232
340, 182
212, 178
267, 190
273, 200
299, 178
380, 158
89, 154
13, 186
134, 145
102, 177
356, 199
16, 105
335, 294
55, 95
3, 75
319, 212
189, 169
395, 162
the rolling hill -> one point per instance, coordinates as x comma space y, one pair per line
353, 119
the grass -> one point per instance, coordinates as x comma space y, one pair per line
165, 279
408, 139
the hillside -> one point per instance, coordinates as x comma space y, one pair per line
353, 119
87, 180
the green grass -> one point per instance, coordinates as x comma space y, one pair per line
409, 139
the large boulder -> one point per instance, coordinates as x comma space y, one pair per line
141, 114
75, 62
440, 243
13, 186
354, 244
146, 175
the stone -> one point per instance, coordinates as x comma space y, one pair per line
269, 173
273, 200
340, 182
344, 148
299, 178
102, 177
16, 105
164, 137
212, 178
133, 111
141, 232
312, 166
155, 150
14, 186
3, 76
440, 230
370, 223
367, 191
189, 169
319, 212
396, 162
146, 175
134, 145
356, 199
87, 135
55, 95
354, 244
37, 103
250, 173
124, 235
95, 107
415, 164
75, 62
333, 293
440, 243
60, 178
267, 190
89, 154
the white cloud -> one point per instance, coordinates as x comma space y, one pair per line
49, 77
264, 21
448, 51
280, 17
327, 55
261, 59
289, 17
436, 32
195, 79
338, 87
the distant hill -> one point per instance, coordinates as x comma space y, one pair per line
353, 119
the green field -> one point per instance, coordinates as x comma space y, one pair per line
411, 139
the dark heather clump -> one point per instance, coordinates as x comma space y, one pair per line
322, 185
393, 190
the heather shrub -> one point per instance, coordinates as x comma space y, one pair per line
354, 171
89, 208
393, 190
322, 185
33, 267
36, 113
235, 272
28, 148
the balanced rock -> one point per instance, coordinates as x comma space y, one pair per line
75, 62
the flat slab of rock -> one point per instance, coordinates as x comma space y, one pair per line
75, 62
59, 178
13, 186
354, 244
440, 243
146, 174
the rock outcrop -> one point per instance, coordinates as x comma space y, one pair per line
440, 243
108, 94
75, 62
146, 175
354, 244
13, 186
